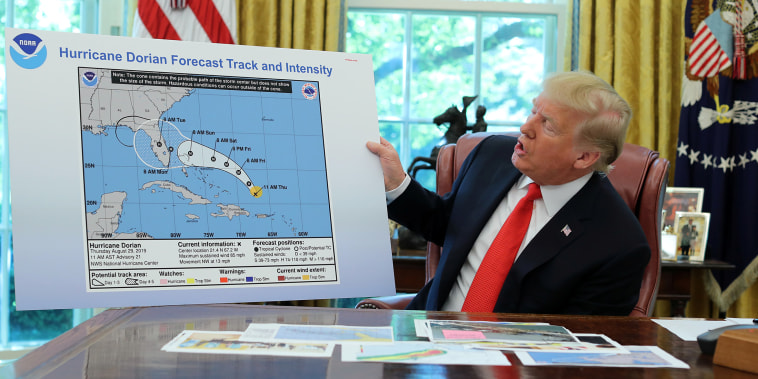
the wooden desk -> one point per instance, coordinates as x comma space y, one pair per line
126, 343
676, 281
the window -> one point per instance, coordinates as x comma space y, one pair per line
428, 55
20, 329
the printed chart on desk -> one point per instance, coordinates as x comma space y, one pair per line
190, 183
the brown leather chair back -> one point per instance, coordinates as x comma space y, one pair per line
639, 176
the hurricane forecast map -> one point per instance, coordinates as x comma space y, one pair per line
152, 172
193, 180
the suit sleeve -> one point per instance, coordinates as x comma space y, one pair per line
425, 212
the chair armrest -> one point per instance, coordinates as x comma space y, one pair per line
386, 302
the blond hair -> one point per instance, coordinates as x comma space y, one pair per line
606, 113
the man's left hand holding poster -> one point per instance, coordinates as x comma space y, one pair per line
154, 172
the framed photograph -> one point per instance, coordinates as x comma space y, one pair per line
680, 199
691, 235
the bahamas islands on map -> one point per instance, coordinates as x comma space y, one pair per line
176, 156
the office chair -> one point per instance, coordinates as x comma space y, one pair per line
639, 176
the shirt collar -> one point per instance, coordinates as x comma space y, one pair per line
555, 197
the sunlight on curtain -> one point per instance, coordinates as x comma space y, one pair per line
298, 24
638, 47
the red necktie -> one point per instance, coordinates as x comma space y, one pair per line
491, 274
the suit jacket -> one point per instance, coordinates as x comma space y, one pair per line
595, 268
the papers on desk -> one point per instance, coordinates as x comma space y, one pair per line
515, 336
638, 356
449, 342
423, 353
541, 344
214, 342
476, 331
318, 333
597, 343
689, 328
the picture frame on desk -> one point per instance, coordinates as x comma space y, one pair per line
680, 199
691, 235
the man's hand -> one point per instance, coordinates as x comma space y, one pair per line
394, 174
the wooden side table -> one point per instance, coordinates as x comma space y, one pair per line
676, 277
410, 270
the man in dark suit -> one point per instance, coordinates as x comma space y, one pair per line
686, 236
584, 251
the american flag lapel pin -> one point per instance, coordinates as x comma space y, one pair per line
566, 230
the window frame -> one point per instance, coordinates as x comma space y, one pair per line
554, 49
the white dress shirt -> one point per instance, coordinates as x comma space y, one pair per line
553, 199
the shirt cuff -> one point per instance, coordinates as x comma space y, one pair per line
395, 193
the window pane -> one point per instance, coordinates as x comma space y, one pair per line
513, 59
442, 62
382, 35
2, 61
55, 15
424, 139
392, 132
499, 56
3, 154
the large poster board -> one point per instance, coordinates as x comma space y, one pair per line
151, 172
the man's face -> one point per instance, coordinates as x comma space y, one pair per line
545, 151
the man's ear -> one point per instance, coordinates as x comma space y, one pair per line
586, 159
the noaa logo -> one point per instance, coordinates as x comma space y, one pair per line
28, 51
309, 91
89, 79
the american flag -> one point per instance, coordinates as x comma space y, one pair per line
717, 148
740, 71
711, 47
187, 20
566, 230
179, 3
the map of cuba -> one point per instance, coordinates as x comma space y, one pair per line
175, 156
